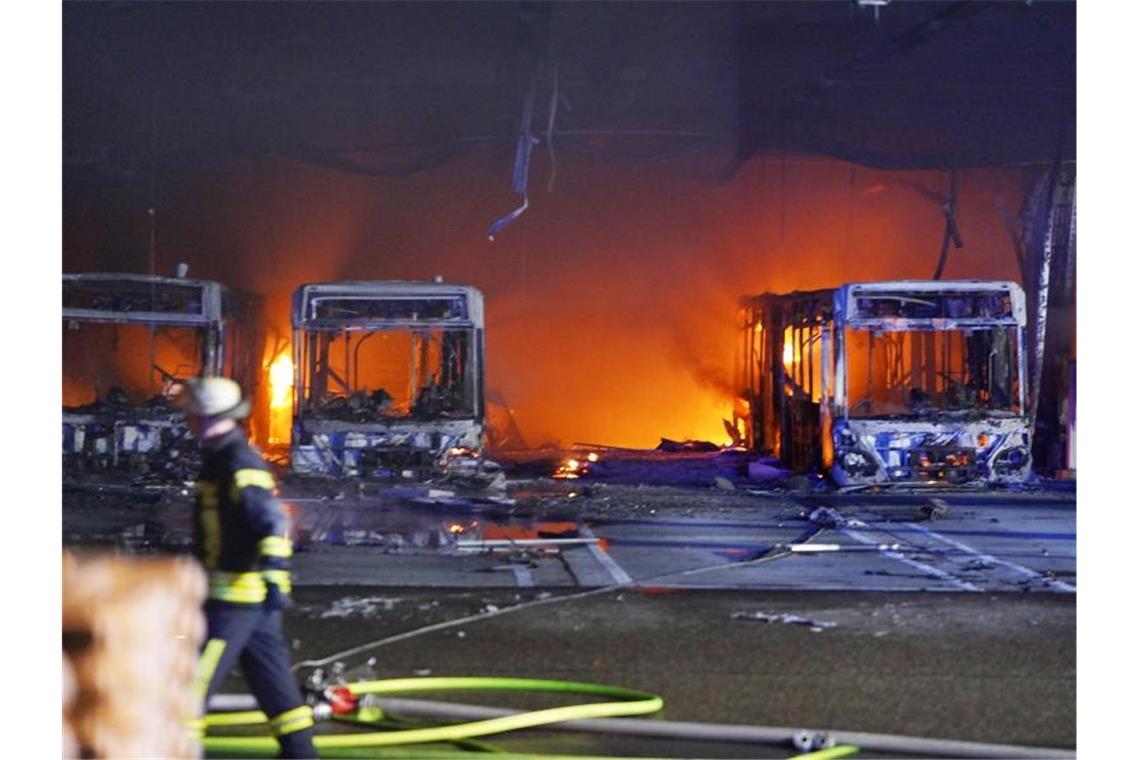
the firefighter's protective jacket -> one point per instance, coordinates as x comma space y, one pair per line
241, 533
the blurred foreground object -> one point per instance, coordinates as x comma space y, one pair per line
132, 629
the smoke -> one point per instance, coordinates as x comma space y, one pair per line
611, 303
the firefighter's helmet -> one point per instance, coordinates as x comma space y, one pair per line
213, 397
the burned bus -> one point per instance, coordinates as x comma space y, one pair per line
388, 378
908, 382
128, 341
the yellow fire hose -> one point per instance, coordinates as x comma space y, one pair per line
623, 702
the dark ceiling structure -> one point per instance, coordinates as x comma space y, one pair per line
389, 89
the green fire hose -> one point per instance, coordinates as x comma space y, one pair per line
623, 702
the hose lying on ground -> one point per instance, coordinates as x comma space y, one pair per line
624, 702
662, 729
574, 719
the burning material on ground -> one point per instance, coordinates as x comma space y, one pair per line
616, 465
571, 469
581, 462
458, 528
576, 466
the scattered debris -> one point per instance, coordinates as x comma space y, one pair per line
686, 445
830, 518
786, 617
935, 509
723, 484
356, 606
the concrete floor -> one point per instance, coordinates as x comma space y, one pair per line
979, 667
964, 627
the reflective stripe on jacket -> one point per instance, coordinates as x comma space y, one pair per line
240, 530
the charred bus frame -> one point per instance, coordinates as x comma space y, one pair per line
388, 378
117, 414
889, 382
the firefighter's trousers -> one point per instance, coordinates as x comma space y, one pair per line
250, 634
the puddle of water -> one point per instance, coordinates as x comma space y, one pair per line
414, 527
387, 524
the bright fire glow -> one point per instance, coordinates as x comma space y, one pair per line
624, 359
280, 398
789, 355
571, 469
457, 528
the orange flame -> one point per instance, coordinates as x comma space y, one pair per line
280, 398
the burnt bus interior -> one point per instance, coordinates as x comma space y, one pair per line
128, 342
919, 373
913, 354
376, 359
388, 377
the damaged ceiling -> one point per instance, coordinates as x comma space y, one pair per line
383, 89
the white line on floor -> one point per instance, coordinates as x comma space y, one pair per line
1022, 569
620, 576
776, 586
929, 569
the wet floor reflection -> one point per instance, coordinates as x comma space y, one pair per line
403, 526
391, 523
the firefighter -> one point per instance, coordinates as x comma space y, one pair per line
241, 536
